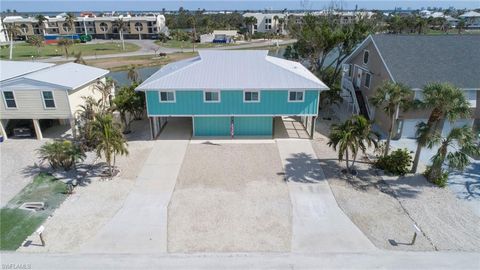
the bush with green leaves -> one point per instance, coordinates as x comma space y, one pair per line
440, 181
61, 154
397, 162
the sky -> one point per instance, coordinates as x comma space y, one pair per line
157, 5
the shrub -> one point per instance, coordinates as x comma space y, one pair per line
440, 181
396, 163
61, 154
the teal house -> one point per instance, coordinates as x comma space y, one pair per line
231, 93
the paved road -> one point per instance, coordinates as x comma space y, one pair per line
140, 226
147, 45
318, 223
371, 260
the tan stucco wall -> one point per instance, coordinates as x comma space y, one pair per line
133, 30
98, 30
30, 106
75, 97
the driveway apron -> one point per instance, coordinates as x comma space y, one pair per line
318, 225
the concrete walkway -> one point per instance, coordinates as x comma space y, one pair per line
141, 224
319, 225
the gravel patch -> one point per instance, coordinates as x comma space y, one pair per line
385, 208
230, 198
378, 215
19, 164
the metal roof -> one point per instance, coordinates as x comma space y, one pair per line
416, 60
12, 69
233, 70
67, 76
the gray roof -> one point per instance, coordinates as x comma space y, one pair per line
233, 70
416, 60
12, 69
67, 76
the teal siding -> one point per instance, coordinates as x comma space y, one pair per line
272, 102
253, 126
211, 126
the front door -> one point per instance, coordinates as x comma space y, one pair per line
358, 77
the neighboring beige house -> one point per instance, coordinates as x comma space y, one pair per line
44, 93
413, 60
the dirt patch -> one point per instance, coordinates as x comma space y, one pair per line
122, 63
229, 198
386, 208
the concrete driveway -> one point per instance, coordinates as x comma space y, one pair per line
18, 159
318, 224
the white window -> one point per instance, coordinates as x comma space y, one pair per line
418, 95
48, 100
295, 96
167, 96
366, 55
9, 99
251, 96
368, 79
211, 96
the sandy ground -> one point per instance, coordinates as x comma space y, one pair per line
230, 197
369, 200
93, 204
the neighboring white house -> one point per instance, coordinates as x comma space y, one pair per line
221, 36
39, 94
266, 22
472, 19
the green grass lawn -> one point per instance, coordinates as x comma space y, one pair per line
23, 51
16, 224
188, 44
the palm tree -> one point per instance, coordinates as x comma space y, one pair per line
275, 20
461, 25
462, 141
281, 23
446, 102
391, 97
110, 140
12, 30
84, 118
121, 25
65, 43
41, 22
105, 88
250, 22
79, 59
70, 21
36, 41
132, 73
351, 136
192, 21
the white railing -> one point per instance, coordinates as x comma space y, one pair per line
349, 95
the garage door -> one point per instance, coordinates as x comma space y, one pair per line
211, 126
410, 127
253, 126
243, 126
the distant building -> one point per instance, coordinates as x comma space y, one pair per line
472, 19
266, 22
219, 36
99, 27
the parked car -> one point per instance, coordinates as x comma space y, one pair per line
22, 132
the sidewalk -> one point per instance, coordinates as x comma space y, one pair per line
319, 225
